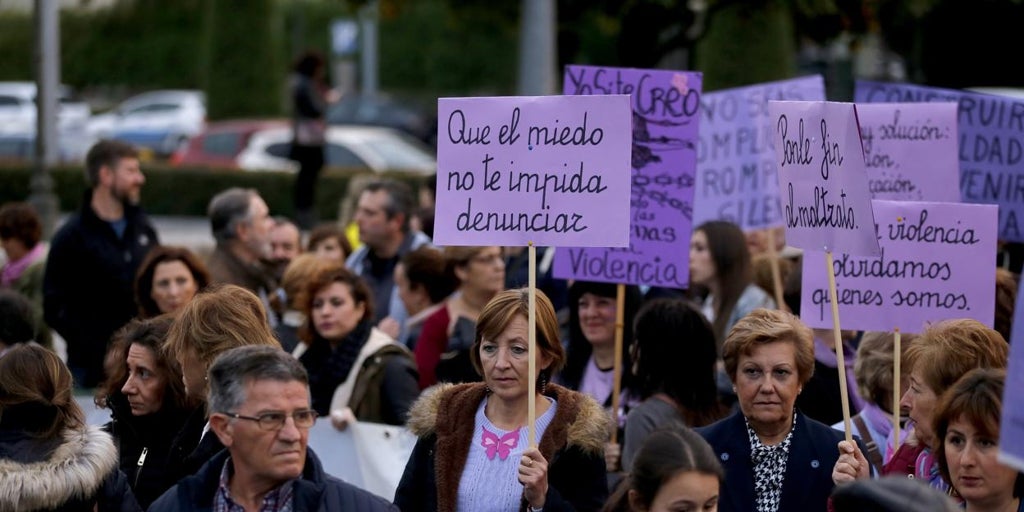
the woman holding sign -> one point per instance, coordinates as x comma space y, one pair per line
967, 430
775, 458
944, 353
472, 452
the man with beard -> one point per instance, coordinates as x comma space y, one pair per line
285, 244
241, 225
87, 287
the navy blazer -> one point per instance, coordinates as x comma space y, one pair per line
808, 483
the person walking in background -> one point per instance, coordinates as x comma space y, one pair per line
260, 411
310, 96
50, 459
20, 233
90, 273
168, 278
383, 214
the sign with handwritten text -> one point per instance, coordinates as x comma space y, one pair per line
736, 168
665, 108
1011, 429
822, 179
910, 151
552, 170
928, 270
991, 141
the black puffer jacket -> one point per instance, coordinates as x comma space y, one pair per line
75, 472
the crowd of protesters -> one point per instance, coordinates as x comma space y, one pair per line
215, 367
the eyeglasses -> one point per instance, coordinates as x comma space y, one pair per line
276, 420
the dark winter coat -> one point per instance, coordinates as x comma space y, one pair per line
314, 490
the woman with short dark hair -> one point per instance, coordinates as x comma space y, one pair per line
967, 443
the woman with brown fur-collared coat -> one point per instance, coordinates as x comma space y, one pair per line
472, 452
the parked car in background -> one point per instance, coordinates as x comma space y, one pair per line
162, 121
220, 143
264, 145
18, 123
378, 110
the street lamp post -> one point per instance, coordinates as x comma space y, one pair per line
47, 67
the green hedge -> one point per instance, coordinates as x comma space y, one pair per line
187, 191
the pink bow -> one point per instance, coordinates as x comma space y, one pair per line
500, 446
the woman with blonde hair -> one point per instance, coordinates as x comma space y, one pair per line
219, 319
939, 357
49, 458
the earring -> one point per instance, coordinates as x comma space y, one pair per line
542, 382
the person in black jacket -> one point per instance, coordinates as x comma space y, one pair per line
260, 410
50, 460
310, 96
148, 405
775, 458
90, 271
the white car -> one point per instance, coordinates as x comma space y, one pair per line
162, 121
18, 122
375, 148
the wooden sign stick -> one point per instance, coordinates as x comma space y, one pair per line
840, 356
620, 307
531, 320
897, 352
773, 256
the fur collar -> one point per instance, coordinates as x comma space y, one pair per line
579, 423
75, 470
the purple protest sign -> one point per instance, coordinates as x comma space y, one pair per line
910, 151
1011, 429
991, 136
822, 179
665, 107
552, 170
929, 270
736, 167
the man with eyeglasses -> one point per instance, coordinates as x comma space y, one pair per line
260, 410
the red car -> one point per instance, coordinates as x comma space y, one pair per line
220, 143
